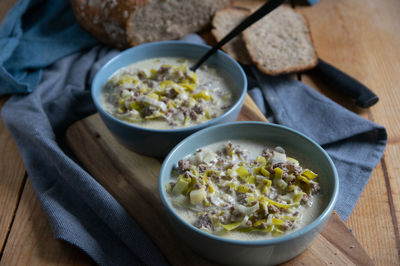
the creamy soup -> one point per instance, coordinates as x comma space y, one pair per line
164, 93
244, 190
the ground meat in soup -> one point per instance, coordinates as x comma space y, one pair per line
164, 93
244, 190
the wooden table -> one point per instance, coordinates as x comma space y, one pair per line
361, 37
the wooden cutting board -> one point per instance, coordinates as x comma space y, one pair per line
132, 179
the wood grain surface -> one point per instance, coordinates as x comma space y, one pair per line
359, 36
12, 179
363, 40
133, 180
32, 243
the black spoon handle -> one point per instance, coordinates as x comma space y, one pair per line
261, 12
341, 81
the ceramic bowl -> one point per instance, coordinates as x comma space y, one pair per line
258, 252
156, 142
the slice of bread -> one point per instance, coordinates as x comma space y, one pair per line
171, 19
281, 43
223, 22
124, 23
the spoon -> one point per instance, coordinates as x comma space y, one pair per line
257, 15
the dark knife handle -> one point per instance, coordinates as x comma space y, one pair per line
341, 81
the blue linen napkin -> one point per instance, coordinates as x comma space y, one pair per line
79, 210
35, 34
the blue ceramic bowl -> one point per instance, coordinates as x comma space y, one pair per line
260, 252
156, 142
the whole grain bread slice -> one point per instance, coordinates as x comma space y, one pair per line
281, 43
223, 22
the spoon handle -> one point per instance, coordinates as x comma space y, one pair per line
258, 14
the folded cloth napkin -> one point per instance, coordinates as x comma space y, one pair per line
79, 210
35, 34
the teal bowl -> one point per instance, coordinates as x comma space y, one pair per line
157, 142
258, 252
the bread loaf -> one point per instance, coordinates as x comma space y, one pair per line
124, 23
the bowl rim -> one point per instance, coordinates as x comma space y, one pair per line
271, 241
237, 104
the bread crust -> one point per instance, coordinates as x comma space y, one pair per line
288, 70
315, 62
